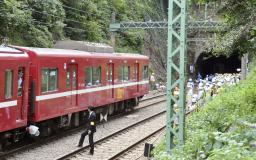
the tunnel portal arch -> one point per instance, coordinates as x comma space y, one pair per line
206, 65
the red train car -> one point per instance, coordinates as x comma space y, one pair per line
14, 71
68, 81
63, 83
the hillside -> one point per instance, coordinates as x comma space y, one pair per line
40, 23
225, 128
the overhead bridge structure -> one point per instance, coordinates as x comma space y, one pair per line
191, 26
178, 28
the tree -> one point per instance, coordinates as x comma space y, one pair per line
240, 33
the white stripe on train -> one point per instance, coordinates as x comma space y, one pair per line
88, 90
8, 104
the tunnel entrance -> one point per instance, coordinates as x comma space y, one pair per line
210, 65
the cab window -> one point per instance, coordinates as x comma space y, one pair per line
49, 79
20, 80
8, 84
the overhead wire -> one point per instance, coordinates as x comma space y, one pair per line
50, 24
64, 18
56, 16
65, 6
45, 13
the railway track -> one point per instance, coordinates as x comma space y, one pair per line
115, 146
32, 145
121, 139
153, 97
135, 150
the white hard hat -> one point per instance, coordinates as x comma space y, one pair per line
37, 133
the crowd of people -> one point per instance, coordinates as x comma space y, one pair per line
200, 88
161, 86
209, 86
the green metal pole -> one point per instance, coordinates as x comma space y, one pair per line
183, 59
169, 109
162, 4
176, 73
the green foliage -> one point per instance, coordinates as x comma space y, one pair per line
240, 35
30, 22
43, 37
48, 11
219, 130
40, 23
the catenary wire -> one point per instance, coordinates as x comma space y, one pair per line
50, 24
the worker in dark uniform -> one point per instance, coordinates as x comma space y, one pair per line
91, 129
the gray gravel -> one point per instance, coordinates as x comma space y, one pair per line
137, 152
111, 146
65, 145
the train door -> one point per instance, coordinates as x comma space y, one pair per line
110, 78
136, 74
72, 80
20, 93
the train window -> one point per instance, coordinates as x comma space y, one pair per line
68, 79
93, 76
8, 83
49, 80
96, 78
124, 73
74, 74
135, 71
20, 81
88, 75
109, 73
145, 72
120, 74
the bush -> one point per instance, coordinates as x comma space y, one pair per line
221, 130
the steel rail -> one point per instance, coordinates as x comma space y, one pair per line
71, 131
109, 136
136, 143
118, 155
160, 95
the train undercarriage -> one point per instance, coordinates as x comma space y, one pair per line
69, 121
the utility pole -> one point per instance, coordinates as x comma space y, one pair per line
176, 62
161, 4
175, 127
244, 61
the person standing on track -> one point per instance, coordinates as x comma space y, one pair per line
91, 129
152, 81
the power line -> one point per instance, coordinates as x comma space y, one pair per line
45, 13
50, 24
53, 16
72, 8
65, 6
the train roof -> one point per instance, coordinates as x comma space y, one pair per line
12, 53
63, 53
5, 49
84, 46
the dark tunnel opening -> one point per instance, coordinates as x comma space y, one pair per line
222, 64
